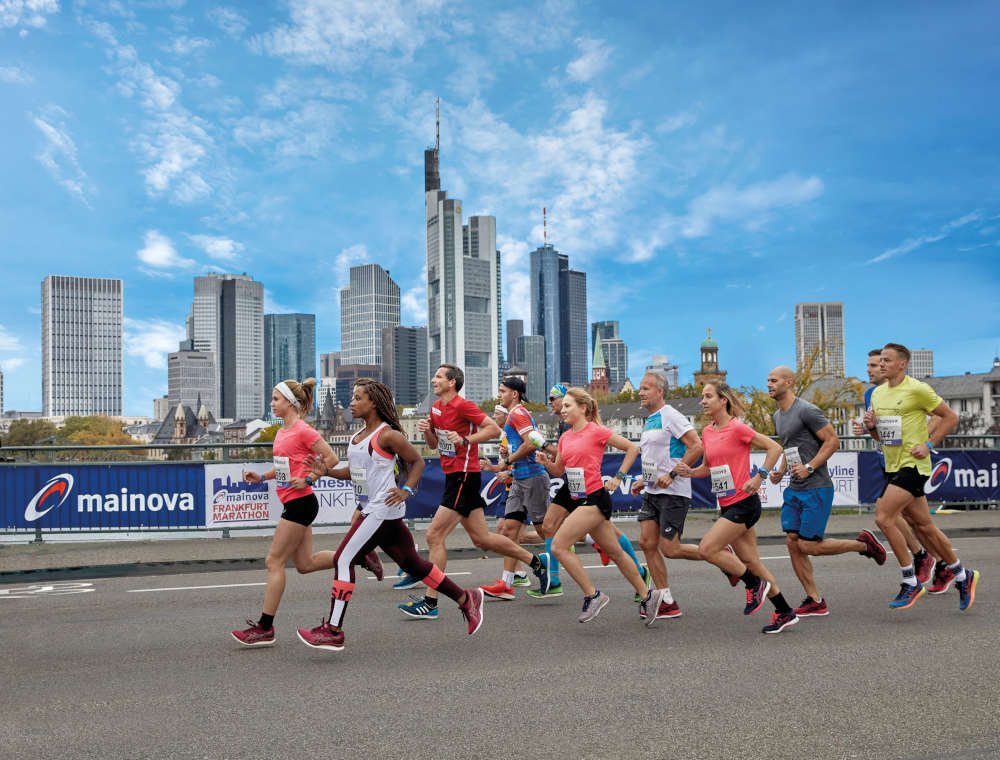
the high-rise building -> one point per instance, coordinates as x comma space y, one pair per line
81, 346
227, 320
573, 326
462, 286
191, 379
348, 374
531, 350
161, 406
369, 303
289, 350
404, 363
499, 310
819, 334
921, 363
671, 371
615, 352
559, 313
328, 364
515, 329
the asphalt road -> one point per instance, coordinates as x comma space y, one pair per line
120, 671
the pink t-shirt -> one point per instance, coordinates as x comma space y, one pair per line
731, 446
295, 443
586, 449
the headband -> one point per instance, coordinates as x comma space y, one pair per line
285, 391
501, 409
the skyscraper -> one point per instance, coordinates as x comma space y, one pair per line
573, 325
328, 363
921, 363
81, 346
191, 379
819, 332
559, 313
404, 363
369, 303
531, 349
515, 329
462, 288
227, 320
615, 352
289, 350
660, 364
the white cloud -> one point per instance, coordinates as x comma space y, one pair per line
413, 301
271, 306
594, 57
26, 13
185, 45
152, 339
308, 131
159, 253
9, 343
911, 244
750, 205
676, 122
514, 255
352, 256
229, 21
14, 75
9, 365
220, 248
59, 155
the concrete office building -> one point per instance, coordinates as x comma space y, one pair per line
328, 364
515, 329
820, 324
227, 320
289, 350
921, 363
369, 303
404, 363
660, 364
82, 321
191, 379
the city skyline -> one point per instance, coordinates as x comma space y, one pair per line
702, 168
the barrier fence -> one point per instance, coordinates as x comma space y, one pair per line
64, 497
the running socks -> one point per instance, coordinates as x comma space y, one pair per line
508, 578
958, 570
625, 544
432, 602
667, 596
780, 605
909, 575
553, 562
266, 621
749, 579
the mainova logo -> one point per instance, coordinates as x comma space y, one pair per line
49, 496
939, 475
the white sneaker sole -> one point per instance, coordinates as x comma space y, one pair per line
327, 647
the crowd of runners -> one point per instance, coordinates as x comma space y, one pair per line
904, 416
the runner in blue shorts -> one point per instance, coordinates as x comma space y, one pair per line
809, 440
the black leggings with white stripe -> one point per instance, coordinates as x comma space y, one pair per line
395, 539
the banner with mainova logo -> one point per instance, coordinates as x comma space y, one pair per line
113, 497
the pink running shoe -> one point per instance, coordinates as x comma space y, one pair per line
923, 567
472, 609
322, 637
255, 636
873, 547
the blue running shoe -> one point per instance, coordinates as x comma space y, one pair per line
756, 596
407, 581
542, 573
967, 589
419, 609
907, 596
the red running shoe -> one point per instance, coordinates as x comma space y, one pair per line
373, 564
668, 611
322, 637
942, 578
874, 549
498, 590
756, 596
811, 608
923, 567
472, 610
605, 559
255, 636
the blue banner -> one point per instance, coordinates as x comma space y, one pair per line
116, 497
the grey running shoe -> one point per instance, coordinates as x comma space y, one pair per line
592, 606
653, 600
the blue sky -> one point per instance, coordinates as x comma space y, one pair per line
707, 164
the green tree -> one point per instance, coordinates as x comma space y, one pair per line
96, 430
267, 434
30, 432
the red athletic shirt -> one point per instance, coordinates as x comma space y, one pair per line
731, 446
586, 449
464, 417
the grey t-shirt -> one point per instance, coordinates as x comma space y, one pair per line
796, 428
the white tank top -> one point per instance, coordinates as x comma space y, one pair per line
373, 476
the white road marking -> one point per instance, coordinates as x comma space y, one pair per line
191, 588
400, 577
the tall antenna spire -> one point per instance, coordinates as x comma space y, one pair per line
545, 227
437, 122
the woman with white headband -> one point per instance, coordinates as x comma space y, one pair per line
295, 443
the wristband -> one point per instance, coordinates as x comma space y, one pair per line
930, 446
621, 475
763, 472
407, 489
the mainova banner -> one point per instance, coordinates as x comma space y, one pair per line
957, 475
113, 497
230, 501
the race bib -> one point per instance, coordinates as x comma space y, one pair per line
359, 477
792, 456
282, 471
445, 447
576, 483
890, 430
722, 481
648, 471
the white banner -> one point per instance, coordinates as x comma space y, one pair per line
231, 501
843, 468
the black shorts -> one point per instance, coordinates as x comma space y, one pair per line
563, 499
302, 510
599, 498
668, 510
745, 511
461, 492
909, 479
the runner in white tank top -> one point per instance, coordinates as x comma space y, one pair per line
373, 473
